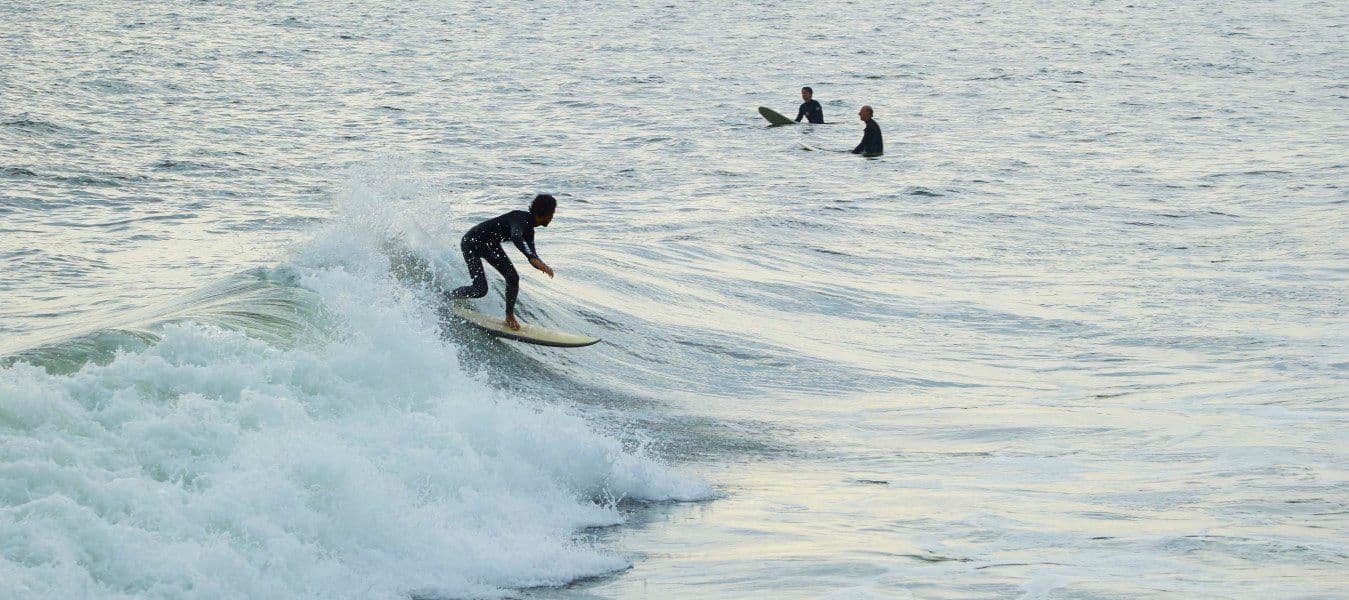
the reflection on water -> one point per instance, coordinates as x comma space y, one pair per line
1079, 333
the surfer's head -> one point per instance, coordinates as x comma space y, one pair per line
542, 208
806, 93
865, 113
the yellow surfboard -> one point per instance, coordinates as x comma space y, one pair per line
530, 334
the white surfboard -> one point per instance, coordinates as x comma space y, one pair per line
530, 334
810, 148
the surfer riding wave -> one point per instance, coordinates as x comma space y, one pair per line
483, 243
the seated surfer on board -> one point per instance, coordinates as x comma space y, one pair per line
810, 109
483, 242
871, 138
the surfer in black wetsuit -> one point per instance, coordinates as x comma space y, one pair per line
871, 138
483, 242
810, 109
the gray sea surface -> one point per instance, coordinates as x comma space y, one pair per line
1080, 333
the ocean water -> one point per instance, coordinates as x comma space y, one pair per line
1080, 333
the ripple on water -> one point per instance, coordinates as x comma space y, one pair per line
1082, 311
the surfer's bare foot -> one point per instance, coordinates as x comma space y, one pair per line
512, 323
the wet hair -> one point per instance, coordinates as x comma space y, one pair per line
807, 89
543, 204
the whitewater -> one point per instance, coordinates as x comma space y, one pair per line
1080, 333
364, 462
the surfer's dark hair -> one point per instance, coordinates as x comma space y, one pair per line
543, 204
807, 89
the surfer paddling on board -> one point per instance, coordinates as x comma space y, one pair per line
810, 109
871, 138
483, 242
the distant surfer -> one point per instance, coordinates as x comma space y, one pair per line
483, 242
871, 138
810, 109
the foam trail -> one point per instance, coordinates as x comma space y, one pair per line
363, 463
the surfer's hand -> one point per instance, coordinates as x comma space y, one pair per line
512, 323
538, 264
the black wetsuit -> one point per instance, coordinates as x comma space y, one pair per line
812, 111
483, 242
871, 141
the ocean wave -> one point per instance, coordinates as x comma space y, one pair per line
297, 432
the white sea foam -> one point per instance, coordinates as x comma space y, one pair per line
367, 465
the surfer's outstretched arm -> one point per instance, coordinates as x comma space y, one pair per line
523, 237
542, 266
